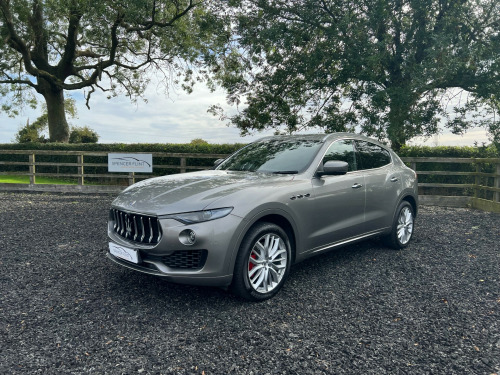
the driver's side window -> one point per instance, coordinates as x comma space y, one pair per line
342, 150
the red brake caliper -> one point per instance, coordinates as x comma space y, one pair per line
250, 264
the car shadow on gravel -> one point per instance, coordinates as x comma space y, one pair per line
308, 272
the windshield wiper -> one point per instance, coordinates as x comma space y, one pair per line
286, 172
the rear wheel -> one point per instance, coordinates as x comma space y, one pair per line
402, 228
263, 262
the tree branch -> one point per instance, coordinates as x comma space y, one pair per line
145, 26
66, 63
101, 65
19, 82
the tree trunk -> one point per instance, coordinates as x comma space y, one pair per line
58, 126
398, 114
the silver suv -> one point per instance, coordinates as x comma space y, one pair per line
273, 203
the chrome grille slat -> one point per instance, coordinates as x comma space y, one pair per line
136, 228
142, 230
115, 218
122, 221
150, 231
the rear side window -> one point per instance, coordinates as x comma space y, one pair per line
342, 150
371, 155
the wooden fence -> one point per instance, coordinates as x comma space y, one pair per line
88, 175
468, 182
459, 182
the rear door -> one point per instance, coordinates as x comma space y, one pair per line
383, 184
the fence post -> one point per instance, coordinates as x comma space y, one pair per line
477, 180
497, 183
80, 170
131, 178
183, 165
32, 169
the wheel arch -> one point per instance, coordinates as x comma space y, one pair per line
412, 201
284, 224
275, 216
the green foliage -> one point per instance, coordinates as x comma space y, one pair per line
83, 135
32, 133
450, 152
389, 69
198, 142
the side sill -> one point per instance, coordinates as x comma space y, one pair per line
343, 243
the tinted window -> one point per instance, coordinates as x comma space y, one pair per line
371, 155
274, 155
344, 151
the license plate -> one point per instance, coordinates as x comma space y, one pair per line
124, 252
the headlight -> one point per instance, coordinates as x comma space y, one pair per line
199, 216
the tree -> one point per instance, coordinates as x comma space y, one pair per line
35, 132
114, 46
387, 68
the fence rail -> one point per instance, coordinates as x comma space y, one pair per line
442, 181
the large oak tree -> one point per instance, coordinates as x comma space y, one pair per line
48, 47
388, 68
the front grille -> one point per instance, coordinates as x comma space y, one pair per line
137, 228
186, 259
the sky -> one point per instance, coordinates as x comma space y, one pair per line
179, 118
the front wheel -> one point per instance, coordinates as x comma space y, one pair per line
263, 262
402, 228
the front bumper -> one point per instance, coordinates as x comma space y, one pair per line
209, 261
192, 279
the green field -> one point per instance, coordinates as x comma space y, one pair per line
13, 179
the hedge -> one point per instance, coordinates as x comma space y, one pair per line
449, 152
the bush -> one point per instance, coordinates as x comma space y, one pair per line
198, 141
83, 135
32, 133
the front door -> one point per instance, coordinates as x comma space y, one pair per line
337, 202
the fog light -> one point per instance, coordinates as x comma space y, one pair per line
187, 237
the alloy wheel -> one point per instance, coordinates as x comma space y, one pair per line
267, 263
405, 225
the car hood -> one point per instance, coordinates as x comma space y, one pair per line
189, 191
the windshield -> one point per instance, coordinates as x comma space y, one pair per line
273, 156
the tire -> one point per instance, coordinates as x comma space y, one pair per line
402, 228
263, 263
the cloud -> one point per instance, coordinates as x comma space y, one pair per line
178, 118
447, 138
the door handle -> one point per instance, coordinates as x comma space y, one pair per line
357, 186
394, 179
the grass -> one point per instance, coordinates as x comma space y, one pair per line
13, 179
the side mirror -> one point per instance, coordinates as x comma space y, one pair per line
333, 167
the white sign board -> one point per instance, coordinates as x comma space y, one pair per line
130, 163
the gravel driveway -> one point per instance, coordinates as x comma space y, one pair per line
433, 308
